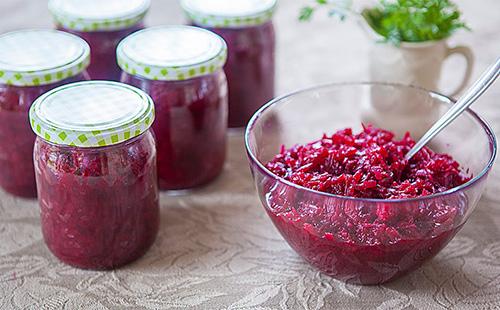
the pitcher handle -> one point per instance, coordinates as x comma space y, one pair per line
469, 58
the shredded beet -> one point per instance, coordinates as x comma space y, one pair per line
370, 164
354, 240
190, 128
249, 69
99, 206
103, 64
17, 174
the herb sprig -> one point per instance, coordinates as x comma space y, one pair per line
403, 20
336, 8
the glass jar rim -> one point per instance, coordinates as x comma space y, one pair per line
85, 16
171, 53
229, 14
92, 114
34, 57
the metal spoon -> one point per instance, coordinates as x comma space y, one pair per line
468, 98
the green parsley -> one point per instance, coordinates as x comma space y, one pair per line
404, 20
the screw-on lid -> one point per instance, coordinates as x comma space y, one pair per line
98, 15
230, 14
92, 114
172, 53
40, 57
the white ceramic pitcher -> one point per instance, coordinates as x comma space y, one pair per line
417, 64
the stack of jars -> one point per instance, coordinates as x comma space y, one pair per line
155, 116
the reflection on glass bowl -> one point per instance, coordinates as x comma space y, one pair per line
344, 237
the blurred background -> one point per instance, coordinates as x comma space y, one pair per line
323, 50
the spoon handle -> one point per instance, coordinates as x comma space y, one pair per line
470, 96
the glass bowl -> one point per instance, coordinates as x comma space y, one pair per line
366, 241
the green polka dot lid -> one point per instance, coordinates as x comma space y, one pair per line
172, 53
41, 57
92, 114
98, 15
229, 14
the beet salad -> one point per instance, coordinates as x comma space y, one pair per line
367, 242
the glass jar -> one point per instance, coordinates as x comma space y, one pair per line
247, 28
103, 24
181, 68
95, 167
31, 63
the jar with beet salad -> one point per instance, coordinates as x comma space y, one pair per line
247, 28
95, 166
103, 24
181, 68
32, 62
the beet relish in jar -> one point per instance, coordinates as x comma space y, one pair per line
247, 28
95, 167
103, 24
32, 62
180, 67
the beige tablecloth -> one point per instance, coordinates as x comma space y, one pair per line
217, 248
